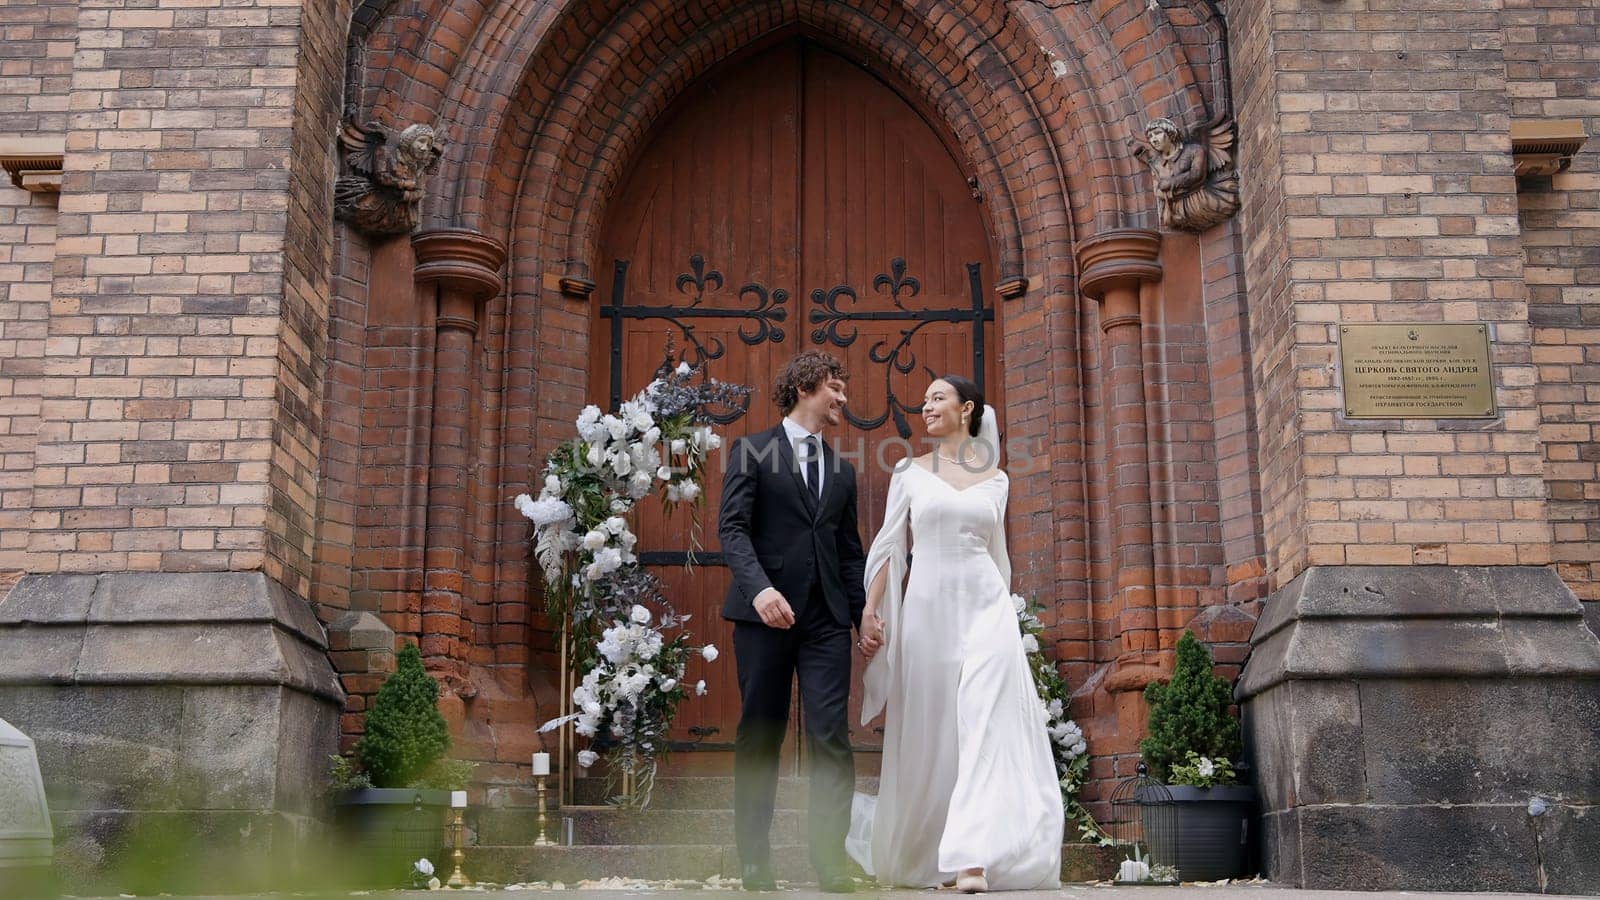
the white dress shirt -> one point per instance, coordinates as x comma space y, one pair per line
797, 436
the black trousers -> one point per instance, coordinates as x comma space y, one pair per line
817, 650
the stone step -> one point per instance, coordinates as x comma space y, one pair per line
705, 792
694, 862
608, 825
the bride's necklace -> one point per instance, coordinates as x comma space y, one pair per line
940, 454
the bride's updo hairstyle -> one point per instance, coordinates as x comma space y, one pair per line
966, 390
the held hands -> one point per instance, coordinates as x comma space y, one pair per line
774, 609
872, 636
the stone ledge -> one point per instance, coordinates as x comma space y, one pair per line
153, 628
1401, 719
1420, 621
34, 163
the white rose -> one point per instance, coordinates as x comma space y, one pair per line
683, 368
622, 464
1030, 644
594, 540
1079, 748
679, 445
639, 484
619, 505
652, 434
688, 490
423, 867
546, 512
615, 524
1055, 708
524, 505
587, 758
673, 494
700, 688
713, 440
1018, 603
615, 427
669, 684
610, 645
589, 425
593, 708
640, 615
552, 485
709, 652
596, 455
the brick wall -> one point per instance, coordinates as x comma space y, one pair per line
36, 46
1395, 203
1554, 73
167, 438
1267, 274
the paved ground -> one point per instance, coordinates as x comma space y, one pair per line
1247, 891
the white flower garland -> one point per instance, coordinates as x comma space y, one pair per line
1070, 747
632, 672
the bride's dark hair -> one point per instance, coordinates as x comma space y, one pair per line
967, 390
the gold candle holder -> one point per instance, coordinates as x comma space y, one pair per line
458, 879
541, 840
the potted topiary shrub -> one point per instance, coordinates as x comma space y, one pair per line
390, 799
1192, 747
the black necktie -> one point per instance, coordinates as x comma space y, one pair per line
813, 467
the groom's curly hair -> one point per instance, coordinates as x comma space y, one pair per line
802, 375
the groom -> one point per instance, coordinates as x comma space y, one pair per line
788, 530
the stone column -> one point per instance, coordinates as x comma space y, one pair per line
1113, 267
462, 268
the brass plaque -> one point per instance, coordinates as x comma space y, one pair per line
1416, 371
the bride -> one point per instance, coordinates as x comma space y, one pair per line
968, 789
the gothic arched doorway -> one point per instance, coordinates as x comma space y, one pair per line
791, 200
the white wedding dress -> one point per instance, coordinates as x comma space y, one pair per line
968, 776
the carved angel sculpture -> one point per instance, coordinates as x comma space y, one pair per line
1196, 183
383, 192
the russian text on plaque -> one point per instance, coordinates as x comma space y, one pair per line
1417, 370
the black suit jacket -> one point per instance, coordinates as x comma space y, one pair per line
776, 534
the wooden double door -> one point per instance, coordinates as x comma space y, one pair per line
791, 201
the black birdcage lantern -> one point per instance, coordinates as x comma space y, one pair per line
1144, 831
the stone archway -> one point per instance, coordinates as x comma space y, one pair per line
548, 108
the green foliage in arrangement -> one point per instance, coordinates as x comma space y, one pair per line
1189, 713
406, 735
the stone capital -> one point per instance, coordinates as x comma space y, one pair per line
460, 260
1119, 259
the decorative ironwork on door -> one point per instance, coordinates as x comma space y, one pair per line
831, 320
763, 311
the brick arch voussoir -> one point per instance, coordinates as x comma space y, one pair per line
593, 162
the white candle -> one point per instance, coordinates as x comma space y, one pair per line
1133, 870
541, 764
458, 799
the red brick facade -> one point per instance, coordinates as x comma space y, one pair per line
539, 143
200, 370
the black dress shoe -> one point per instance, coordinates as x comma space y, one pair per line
758, 877
836, 884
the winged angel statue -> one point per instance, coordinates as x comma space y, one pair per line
383, 192
1197, 185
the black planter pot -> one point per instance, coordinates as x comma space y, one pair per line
1212, 831
385, 830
